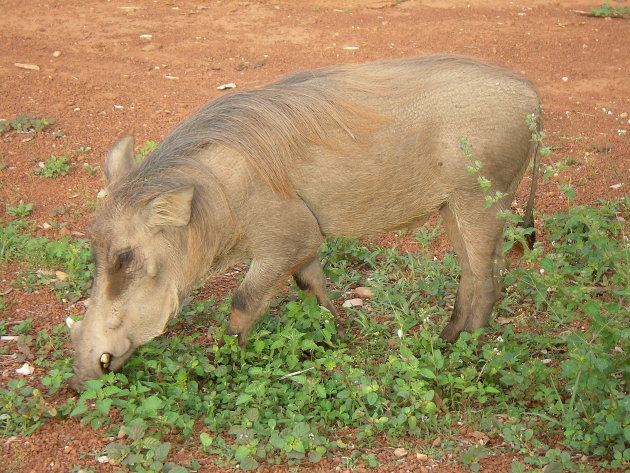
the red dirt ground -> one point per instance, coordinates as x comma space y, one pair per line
109, 80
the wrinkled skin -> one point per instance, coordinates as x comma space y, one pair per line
118, 325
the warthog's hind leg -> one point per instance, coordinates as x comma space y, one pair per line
477, 239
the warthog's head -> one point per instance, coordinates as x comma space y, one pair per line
141, 251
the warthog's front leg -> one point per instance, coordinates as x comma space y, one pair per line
311, 280
261, 282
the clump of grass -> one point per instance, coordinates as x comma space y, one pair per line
608, 10
54, 167
26, 124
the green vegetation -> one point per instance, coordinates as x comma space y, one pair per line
21, 210
148, 148
606, 9
45, 256
25, 124
551, 378
54, 167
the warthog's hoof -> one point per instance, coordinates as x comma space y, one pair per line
450, 333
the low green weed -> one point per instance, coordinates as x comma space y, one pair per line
21, 210
608, 10
297, 394
72, 256
25, 124
148, 147
54, 167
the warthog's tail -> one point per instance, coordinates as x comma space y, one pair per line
528, 218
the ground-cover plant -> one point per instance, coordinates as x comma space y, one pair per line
21, 210
553, 390
606, 9
45, 256
25, 124
54, 167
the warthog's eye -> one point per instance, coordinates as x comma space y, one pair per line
123, 260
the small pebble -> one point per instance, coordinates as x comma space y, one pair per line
363, 292
353, 303
400, 452
56, 53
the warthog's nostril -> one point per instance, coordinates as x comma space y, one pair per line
105, 359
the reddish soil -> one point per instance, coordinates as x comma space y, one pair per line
110, 79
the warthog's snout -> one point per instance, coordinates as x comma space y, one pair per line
94, 359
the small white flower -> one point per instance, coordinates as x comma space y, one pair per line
400, 333
542, 271
500, 339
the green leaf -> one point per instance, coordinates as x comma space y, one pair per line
173, 468
78, 410
372, 398
427, 373
205, 439
553, 467
152, 403
248, 464
162, 450
103, 405
243, 398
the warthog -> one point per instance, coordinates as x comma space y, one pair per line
266, 174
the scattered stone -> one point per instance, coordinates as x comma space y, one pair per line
101, 194
151, 47
46, 226
482, 438
422, 457
565, 79
56, 53
61, 275
623, 115
437, 442
26, 370
400, 452
351, 48
363, 292
8, 338
65, 231
103, 459
168, 76
146, 36
28, 67
353, 303
616, 186
230, 85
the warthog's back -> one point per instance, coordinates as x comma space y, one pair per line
403, 170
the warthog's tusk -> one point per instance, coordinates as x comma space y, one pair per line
105, 359
70, 322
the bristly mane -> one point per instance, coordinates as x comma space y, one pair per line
271, 126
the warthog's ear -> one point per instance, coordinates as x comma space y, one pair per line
120, 159
172, 208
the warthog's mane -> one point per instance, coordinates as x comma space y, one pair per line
271, 126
